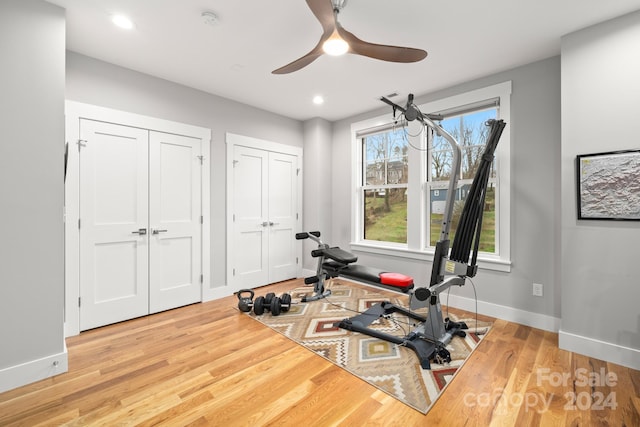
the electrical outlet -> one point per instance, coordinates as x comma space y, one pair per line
537, 289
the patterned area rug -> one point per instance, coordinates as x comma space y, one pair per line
389, 367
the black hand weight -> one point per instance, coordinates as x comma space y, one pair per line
245, 302
263, 303
272, 303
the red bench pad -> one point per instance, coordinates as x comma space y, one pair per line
396, 279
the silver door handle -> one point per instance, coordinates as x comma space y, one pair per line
158, 231
273, 223
140, 232
265, 223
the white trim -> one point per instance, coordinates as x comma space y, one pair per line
233, 140
510, 314
207, 282
74, 111
612, 353
502, 260
104, 114
261, 144
485, 261
34, 370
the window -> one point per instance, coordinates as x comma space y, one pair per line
470, 131
385, 175
402, 173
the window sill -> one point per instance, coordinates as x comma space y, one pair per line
485, 261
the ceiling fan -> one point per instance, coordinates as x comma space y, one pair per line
336, 40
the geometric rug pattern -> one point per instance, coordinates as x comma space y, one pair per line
392, 368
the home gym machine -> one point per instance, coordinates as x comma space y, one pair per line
334, 262
450, 268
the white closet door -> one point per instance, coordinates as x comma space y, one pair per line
174, 221
113, 223
250, 217
282, 216
264, 217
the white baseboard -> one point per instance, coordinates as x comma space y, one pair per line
613, 353
523, 317
32, 371
216, 293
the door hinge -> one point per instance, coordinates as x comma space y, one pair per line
234, 217
78, 223
296, 260
202, 278
201, 219
297, 171
235, 162
79, 301
234, 271
296, 215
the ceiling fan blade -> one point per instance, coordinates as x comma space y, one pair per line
323, 11
301, 62
380, 51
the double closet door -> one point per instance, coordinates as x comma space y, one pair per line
264, 217
140, 222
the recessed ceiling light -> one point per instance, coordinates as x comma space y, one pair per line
122, 21
318, 100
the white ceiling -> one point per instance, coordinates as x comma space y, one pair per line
466, 39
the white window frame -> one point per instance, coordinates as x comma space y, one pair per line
416, 247
362, 186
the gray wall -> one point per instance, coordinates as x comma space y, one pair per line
600, 105
535, 134
32, 43
99, 83
317, 185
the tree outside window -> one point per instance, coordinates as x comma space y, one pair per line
471, 132
385, 183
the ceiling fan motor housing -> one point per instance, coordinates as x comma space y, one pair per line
338, 4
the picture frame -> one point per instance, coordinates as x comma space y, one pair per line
608, 186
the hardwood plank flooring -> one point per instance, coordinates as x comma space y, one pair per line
210, 365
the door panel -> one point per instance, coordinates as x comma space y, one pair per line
114, 206
116, 271
250, 217
264, 210
282, 216
174, 220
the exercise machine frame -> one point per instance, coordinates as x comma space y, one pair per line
433, 333
318, 280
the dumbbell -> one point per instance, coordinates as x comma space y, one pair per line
281, 304
245, 303
272, 303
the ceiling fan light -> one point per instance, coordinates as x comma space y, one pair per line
335, 46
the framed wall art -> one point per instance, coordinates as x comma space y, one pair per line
609, 185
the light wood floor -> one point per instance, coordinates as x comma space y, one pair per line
208, 364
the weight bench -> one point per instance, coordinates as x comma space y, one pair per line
335, 262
